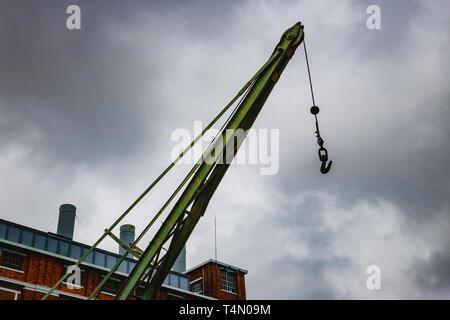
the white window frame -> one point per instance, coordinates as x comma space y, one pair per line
226, 280
195, 281
13, 252
109, 293
16, 293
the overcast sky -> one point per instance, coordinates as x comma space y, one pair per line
86, 117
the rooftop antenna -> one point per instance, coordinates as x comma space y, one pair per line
215, 239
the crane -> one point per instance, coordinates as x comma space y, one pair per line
155, 262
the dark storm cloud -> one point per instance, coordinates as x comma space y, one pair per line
397, 17
388, 139
303, 219
76, 91
432, 275
406, 159
313, 273
94, 94
137, 70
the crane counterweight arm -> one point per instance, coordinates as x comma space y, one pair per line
181, 220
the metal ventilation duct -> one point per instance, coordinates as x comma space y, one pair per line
66, 221
127, 233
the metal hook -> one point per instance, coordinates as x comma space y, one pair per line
324, 168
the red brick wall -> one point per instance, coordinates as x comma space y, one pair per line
211, 282
44, 270
5, 295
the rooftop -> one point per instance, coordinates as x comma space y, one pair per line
222, 264
62, 247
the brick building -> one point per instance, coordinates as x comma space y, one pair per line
217, 279
32, 261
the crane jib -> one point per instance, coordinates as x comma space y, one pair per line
202, 181
180, 222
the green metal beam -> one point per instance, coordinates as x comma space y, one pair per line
243, 118
122, 244
150, 187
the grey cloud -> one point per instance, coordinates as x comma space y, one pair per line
432, 275
397, 20
394, 148
310, 274
80, 93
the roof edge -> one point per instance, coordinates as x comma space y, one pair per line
223, 264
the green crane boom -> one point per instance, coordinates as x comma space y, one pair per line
208, 173
204, 178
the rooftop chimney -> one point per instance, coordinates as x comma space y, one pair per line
66, 221
180, 263
127, 236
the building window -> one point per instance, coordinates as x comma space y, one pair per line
197, 286
12, 260
111, 287
228, 280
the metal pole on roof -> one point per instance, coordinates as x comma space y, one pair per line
215, 239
